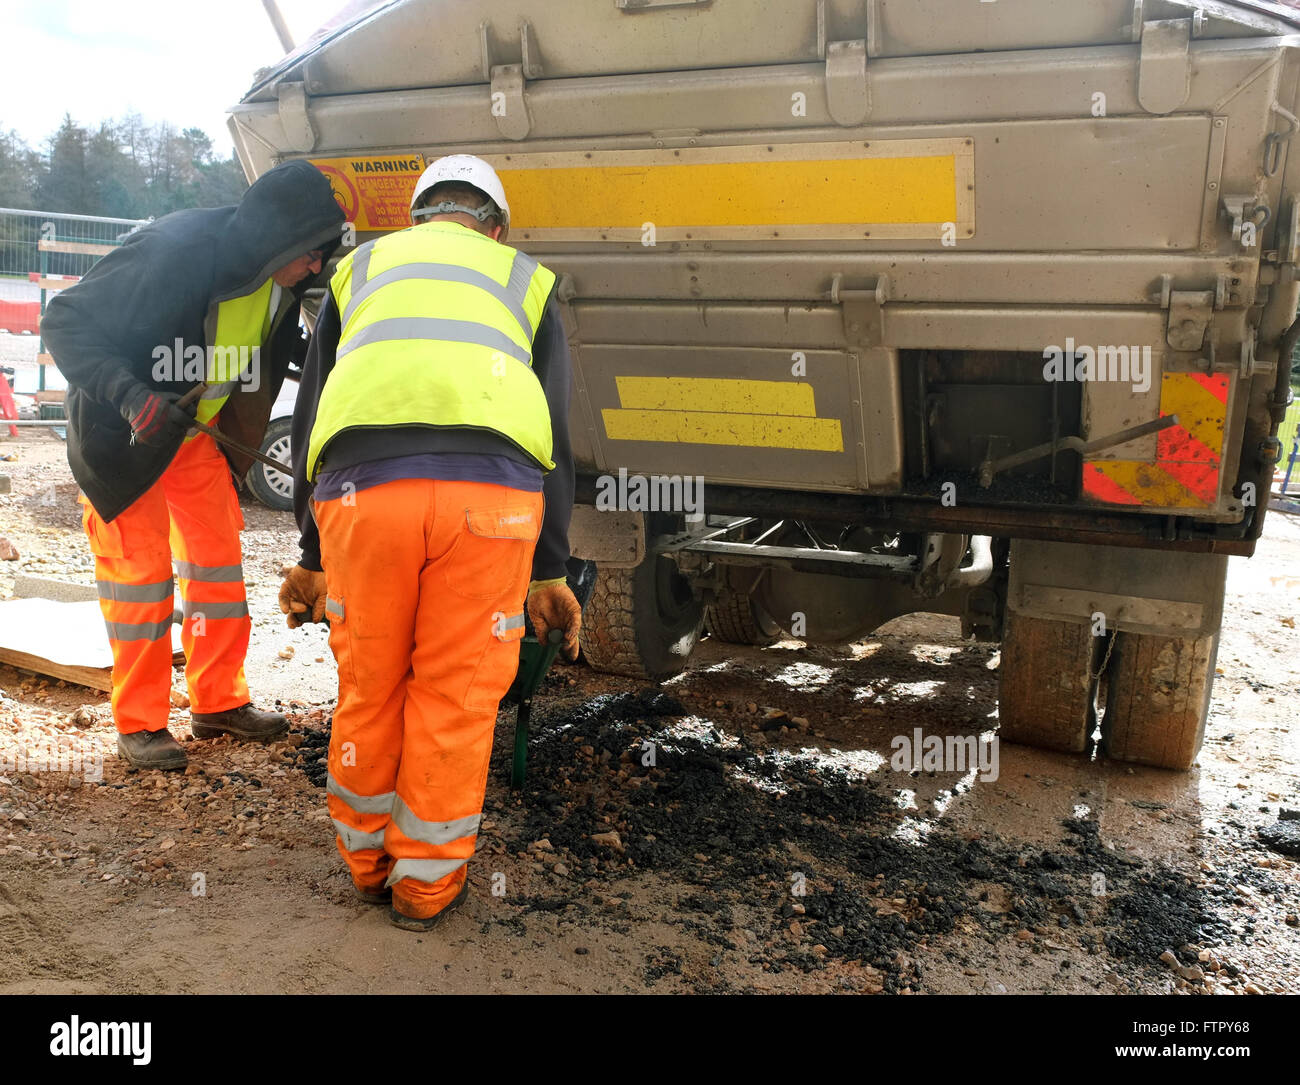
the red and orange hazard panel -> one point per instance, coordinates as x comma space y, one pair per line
1185, 472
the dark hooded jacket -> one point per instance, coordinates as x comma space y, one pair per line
162, 285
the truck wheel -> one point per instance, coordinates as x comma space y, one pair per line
642, 622
274, 488
1158, 698
736, 618
1046, 688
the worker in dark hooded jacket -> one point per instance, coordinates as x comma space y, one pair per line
204, 302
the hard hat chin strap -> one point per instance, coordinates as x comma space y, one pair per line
447, 207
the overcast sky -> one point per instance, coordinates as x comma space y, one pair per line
183, 61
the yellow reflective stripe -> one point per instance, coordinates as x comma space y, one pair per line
1149, 483
718, 428
711, 394
1199, 411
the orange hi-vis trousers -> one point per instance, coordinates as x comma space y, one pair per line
191, 512
426, 583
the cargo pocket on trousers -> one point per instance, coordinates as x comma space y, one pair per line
341, 641
498, 663
105, 537
490, 554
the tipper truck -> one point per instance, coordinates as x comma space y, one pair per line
973, 307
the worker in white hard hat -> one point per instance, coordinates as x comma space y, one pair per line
433, 483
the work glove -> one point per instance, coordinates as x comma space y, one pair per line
155, 417
302, 594
552, 605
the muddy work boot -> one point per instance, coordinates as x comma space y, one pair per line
246, 723
151, 750
411, 923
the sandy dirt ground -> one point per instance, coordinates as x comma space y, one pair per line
769, 847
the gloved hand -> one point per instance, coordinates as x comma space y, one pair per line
552, 605
302, 593
155, 418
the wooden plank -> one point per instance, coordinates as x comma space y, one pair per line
57, 284
81, 248
64, 640
45, 359
94, 677
51, 395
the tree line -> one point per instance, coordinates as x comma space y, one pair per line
123, 168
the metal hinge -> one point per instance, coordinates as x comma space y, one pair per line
1164, 69
1190, 312
862, 310
848, 94
509, 109
299, 132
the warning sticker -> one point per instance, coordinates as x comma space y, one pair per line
375, 193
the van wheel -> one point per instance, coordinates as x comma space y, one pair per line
642, 622
734, 617
274, 488
1158, 698
1046, 687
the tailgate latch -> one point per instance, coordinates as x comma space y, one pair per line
1164, 70
848, 94
862, 310
1190, 312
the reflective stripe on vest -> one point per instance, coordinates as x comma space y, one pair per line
438, 327
242, 324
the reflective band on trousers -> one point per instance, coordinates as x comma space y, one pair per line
138, 630
157, 592
432, 832
362, 804
192, 609
356, 840
423, 870
210, 574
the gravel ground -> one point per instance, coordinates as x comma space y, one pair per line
738, 829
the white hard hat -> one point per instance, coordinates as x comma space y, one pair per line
465, 169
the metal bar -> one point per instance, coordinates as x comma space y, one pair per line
989, 468
239, 446
65, 215
281, 27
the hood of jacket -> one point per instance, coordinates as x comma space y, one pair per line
287, 212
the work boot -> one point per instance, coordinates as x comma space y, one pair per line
410, 923
151, 750
246, 723
373, 896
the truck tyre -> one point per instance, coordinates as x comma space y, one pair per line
734, 617
642, 622
1158, 698
274, 488
1046, 686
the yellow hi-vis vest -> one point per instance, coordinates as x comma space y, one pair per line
438, 323
241, 328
